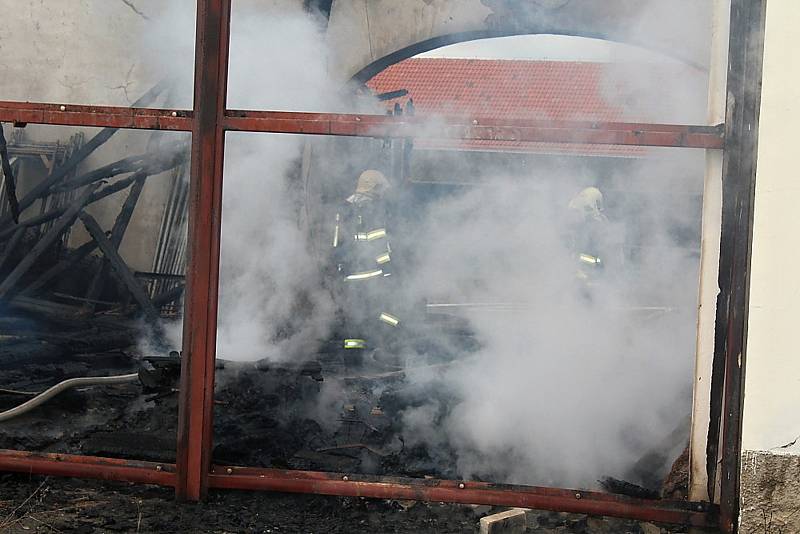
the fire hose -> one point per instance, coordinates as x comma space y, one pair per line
63, 386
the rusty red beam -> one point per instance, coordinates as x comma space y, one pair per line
579, 132
97, 116
196, 397
69, 465
557, 499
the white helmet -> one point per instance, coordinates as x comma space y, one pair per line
372, 182
589, 203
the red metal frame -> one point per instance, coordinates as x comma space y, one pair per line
558, 499
193, 474
71, 465
102, 116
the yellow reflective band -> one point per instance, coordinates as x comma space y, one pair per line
383, 258
355, 344
336, 233
365, 275
586, 258
376, 234
389, 319
371, 235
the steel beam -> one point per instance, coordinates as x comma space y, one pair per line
196, 397
563, 500
21, 113
70, 465
578, 132
405, 126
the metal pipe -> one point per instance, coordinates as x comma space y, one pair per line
63, 386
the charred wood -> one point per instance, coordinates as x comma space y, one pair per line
61, 224
164, 159
10, 184
622, 487
19, 233
55, 213
169, 296
117, 233
119, 266
61, 267
42, 188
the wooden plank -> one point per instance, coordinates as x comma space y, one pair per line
50, 237
117, 233
119, 266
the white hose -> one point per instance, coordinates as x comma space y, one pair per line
63, 386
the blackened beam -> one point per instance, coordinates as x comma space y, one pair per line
119, 185
61, 267
119, 266
50, 237
10, 185
171, 295
11, 245
81, 154
117, 233
164, 159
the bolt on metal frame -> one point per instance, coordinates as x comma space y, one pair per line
193, 473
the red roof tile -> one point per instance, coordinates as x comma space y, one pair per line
498, 89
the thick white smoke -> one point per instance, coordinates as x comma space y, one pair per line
268, 275
570, 382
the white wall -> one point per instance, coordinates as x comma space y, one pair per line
770, 483
772, 391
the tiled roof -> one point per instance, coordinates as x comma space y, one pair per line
498, 89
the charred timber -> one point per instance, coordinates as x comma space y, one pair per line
50, 237
42, 188
117, 233
108, 190
10, 184
119, 266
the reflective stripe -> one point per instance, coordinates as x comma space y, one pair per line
365, 275
355, 344
592, 260
383, 258
376, 234
336, 233
389, 319
371, 235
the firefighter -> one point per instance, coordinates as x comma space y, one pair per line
363, 262
589, 226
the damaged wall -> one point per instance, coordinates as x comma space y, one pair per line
771, 466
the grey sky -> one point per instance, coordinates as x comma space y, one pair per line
546, 47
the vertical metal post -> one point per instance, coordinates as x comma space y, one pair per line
739, 174
196, 400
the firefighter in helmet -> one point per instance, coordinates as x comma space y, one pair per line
363, 263
589, 226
